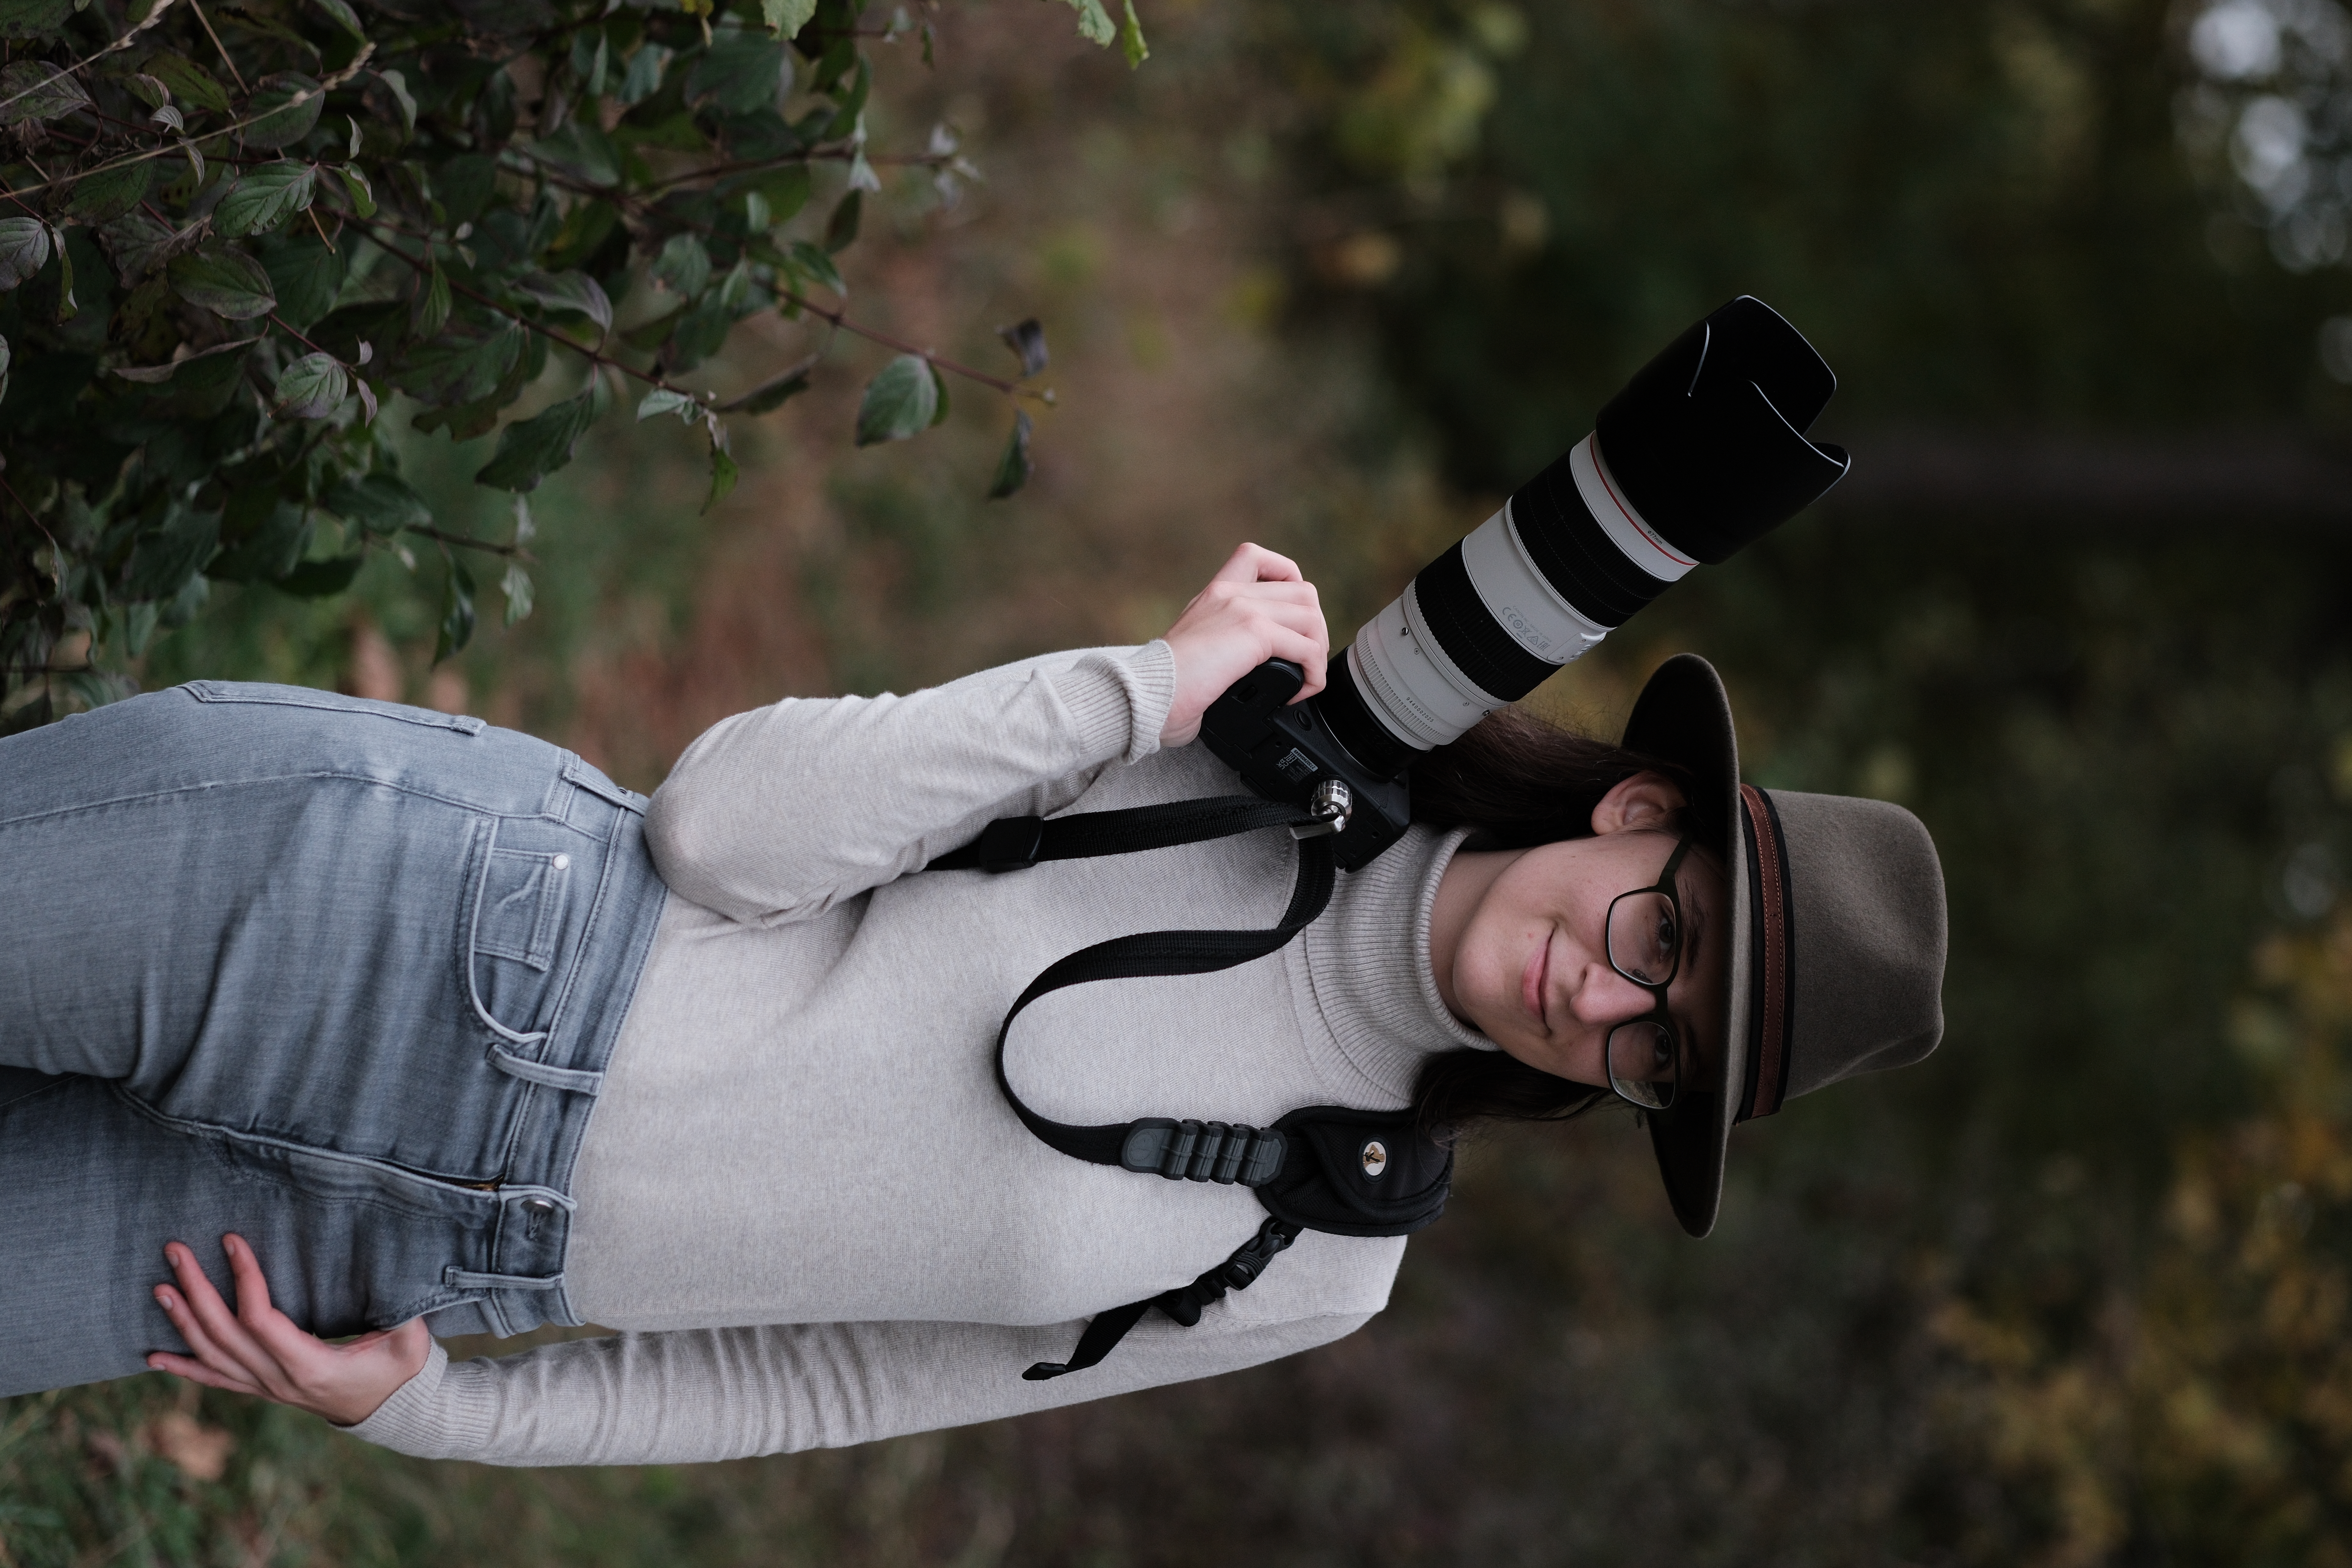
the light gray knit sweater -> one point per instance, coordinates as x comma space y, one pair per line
802, 1200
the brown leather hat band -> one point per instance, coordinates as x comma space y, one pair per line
1768, 1076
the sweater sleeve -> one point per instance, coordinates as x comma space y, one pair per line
683, 1396
779, 814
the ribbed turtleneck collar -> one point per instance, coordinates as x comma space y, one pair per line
1368, 960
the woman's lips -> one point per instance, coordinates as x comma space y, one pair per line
1531, 980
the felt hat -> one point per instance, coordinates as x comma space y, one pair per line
1836, 960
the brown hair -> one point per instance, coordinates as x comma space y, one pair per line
1520, 781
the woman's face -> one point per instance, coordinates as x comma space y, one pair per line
1526, 934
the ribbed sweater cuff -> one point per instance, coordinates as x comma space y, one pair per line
443, 1412
1118, 699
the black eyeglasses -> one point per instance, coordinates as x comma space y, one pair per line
1645, 946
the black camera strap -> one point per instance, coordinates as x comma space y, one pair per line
1326, 1168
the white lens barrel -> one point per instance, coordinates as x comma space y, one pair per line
1643, 544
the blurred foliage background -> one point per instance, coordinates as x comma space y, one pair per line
1335, 277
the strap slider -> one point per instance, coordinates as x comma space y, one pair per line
1203, 1152
1010, 843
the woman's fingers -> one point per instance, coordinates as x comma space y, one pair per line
220, 1340
257, 1349
1255, 564
1258, 607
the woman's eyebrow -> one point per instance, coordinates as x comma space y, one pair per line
1693, 919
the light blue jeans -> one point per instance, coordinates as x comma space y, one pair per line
340, 976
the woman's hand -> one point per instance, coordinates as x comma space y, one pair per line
1257, 607
257, 1349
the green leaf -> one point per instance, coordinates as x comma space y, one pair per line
1014, 468
581, 235
740, 71
722, 478
840, 229
650, 335
320, 579
590, 59
459, 369
344, 16
34, 18
785, 190
148, 90
67, 308
226, 283
456, 608
107, 193
188, 81
306, 275
380, 503
5, 358
137, 241
462, 184
785, 19
428, 311
288, 105
940, 388
35, 89
643, 79
1027, 341
516, 586
902, 401
808, 258
529, 450
853, 103
23, 249
684, 264
312, 387
403, 102
355, 185
574, 292
171, 552
662, 400
1131, 38
582, 149
1094, 22
264, 196
770, 395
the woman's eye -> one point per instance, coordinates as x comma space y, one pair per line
1664, 941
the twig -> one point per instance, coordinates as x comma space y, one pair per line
797, 368
304, 96
198, 6
119, 44
594, 356
838, 318
834, 154
466, 542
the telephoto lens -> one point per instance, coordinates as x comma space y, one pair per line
1702, 452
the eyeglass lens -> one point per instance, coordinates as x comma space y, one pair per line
1644, 941
1642, 1064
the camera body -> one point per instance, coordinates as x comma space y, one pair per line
1703, 451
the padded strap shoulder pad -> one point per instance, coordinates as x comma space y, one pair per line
1357, 1173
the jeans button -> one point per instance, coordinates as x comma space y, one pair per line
538, 1208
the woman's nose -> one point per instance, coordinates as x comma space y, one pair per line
1607, 997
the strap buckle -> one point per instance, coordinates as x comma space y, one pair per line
1011, 843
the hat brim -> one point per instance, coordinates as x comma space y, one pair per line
1684, 717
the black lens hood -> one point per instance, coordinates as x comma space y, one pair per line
1707, 441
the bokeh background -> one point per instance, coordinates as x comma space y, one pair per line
1335, 277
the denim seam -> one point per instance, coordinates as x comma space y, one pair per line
213, 1133
87, 805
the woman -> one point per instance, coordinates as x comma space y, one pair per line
344, 981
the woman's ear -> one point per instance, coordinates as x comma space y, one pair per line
1643, 800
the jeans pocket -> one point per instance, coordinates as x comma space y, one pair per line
526, 907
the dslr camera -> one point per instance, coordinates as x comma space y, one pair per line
1703, 451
